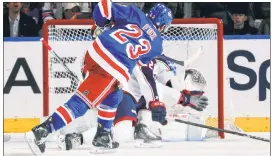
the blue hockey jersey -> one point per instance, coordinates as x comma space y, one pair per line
132, 38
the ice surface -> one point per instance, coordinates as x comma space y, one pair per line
231, 146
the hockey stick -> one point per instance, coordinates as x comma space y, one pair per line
187, 62
222, 130
45, 43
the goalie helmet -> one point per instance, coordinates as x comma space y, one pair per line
195, 80
160, 15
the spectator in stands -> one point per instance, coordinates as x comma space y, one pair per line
240, 23
77, 10
264, 27
17, 23
58, 10
48, 13
34, 9
5, 10
215, 10
71, 10
86, 11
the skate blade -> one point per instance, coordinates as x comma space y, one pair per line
143, 144
102, 150
30, 139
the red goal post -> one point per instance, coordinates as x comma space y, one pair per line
45, 34
50, 32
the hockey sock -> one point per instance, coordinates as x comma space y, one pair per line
107, 109
65, 114
106, 115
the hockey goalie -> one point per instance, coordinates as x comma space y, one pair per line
153, 98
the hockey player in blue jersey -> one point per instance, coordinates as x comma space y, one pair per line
133, 37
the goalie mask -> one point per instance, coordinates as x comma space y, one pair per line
195, 80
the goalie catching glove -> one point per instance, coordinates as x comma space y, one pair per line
194, 99
158, 111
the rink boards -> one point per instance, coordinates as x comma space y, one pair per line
247, 75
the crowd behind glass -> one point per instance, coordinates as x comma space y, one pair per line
240, 18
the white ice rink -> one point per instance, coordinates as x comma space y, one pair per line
231, 146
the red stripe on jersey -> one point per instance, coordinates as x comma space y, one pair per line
65, 114
108, 60
140, 63
105, 114
105, 8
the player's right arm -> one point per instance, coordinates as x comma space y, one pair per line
106, 12
164, 70
147, 83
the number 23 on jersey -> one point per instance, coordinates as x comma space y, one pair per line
133, 50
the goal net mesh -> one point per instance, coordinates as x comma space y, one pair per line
180, 42
62, 39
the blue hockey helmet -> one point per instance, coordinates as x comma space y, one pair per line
160, 15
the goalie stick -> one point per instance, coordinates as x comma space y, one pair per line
45, 43
189, 61
222, 130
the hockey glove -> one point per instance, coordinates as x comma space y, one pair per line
194, 99
96, 31
158, 111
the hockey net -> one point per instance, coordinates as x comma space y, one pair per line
70, 39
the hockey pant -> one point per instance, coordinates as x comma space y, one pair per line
99, 89
126, 110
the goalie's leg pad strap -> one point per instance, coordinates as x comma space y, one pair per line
107, 109
74, 108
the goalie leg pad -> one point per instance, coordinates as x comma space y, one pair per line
74, 108
125, 119
145, 117
123, 132
196, 133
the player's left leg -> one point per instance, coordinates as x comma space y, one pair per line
94, 89
102, 136
123, 130
106, 114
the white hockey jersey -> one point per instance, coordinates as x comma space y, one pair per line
150, 81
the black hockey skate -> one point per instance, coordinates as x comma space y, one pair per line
103, 141
70, 141
145, 138
37, 136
